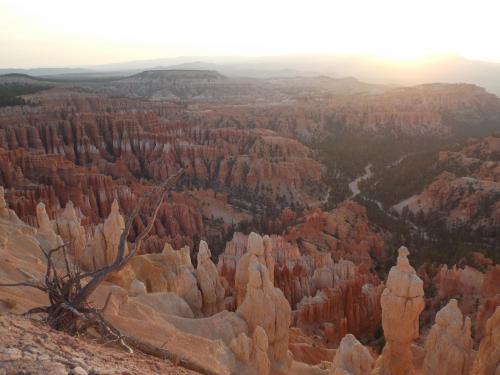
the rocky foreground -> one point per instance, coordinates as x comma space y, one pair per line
242, 316
30, 347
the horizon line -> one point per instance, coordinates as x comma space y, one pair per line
367, 55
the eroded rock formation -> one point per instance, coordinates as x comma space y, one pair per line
448, 346
69, 227
265, 306
168, 271
488, 358
5, 211
350, 306
46, 235
458, 281
254, 350
103, 248
99, 152
345, 232
257, 252
352, 358
465, 194
402, 302
211, 287
71, 145
331, 298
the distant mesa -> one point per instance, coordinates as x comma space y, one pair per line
179, 74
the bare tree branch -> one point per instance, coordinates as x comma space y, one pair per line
121, 260
69, 310
29, 283
36, 310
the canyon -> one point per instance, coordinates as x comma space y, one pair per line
171, 304
260, 260
466, 192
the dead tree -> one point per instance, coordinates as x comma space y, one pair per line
69, 289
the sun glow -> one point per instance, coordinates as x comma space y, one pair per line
58, 32
404, 55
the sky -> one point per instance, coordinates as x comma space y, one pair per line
36, 33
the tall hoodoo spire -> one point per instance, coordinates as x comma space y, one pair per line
402, 302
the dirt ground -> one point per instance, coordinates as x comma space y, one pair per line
28, 346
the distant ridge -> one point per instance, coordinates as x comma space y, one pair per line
45, 71
26, 79
22, 76
367, 68
177, 74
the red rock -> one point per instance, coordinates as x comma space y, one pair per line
467, 200
349, 307
92, 149
345, 232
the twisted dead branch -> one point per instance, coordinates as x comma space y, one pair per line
69, 292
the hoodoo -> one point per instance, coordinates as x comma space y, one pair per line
266, 306
448, 346
352, 358
402, 302
210, 284
69, 227
46, 235
104, 245
488, 358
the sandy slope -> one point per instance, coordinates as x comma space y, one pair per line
30, 347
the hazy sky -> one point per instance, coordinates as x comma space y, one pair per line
37, 33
